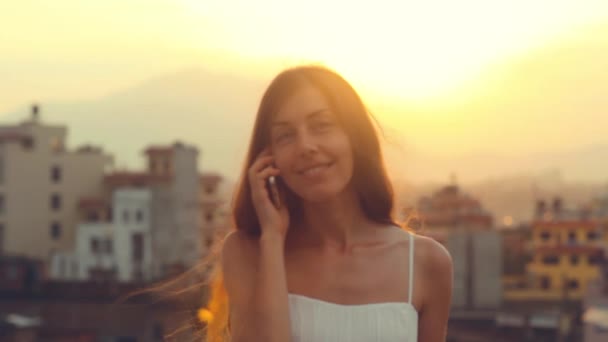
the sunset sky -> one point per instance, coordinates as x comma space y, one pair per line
422, 55
414, 49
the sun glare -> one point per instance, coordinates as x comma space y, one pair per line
416, 50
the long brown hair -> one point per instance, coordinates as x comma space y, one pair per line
370, 179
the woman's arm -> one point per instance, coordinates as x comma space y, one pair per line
254, 277
436, 286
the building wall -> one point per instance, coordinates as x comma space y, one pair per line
573, 245
477, 260
457, 246
132, 216
562, 272
186, 187
176, 214
27, 188
215, 197
487, 263
115, 251
77, 264
571, 234
566, 258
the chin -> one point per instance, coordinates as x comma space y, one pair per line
321, 193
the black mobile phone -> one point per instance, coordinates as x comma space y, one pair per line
273, 191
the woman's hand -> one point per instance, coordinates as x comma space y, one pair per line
273, 221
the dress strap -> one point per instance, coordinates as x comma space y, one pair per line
411, 269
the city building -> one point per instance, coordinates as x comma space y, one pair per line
118, 249
465, 228
566, 252
215, 207
143, 226
34, 309
477, 258
41, 182
449, 209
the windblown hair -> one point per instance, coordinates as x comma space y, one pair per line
370, 179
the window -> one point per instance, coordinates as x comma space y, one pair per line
55, 230
592, 235
2, 204
109, 248
56, 174
137, 246
94, 245
139, 215
92, 216
28, 143
545, 283
551, 260
167, 166
55, 202
572, 237
574, 259
209, 216
572, 284
126, 216
545, 236
594, 259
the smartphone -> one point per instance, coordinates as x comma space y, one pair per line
273, 191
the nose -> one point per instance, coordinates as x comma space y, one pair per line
306, 144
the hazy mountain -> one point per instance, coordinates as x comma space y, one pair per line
211, 110
586, 163
557, 93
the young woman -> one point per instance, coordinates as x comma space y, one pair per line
324, 261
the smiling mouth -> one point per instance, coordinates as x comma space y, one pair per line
315, 170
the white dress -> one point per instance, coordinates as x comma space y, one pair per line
314, 320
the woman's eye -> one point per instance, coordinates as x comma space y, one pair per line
284, 136
321, 125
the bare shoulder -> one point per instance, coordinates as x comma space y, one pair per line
238, 257
432, 256
237, 247
434, 274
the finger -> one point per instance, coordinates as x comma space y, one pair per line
267, 172
258, 184
259, 164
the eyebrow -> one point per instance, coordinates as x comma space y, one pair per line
308, 116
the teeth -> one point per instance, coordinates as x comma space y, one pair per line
315, 170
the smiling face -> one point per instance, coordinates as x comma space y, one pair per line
310, 146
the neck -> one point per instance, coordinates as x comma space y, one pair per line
334, 224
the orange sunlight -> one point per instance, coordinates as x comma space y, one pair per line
418, 51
